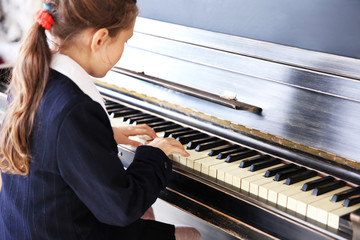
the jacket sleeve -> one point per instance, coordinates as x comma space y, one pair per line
88, 162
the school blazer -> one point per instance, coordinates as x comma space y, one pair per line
77, 187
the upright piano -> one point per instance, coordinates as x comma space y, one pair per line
272, 125
269, 116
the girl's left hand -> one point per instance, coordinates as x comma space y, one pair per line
122, 134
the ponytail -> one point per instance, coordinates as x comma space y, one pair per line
31, 71
28, 81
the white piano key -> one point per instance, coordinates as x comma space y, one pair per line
118, 122
235, 177
246, 181
273, 192
335, 215
254, 186
206, 163
267, 191
228, 167
229, 176
213, 171
276, 190
303, 200
283, 196
204, 154
189, 161
319, 209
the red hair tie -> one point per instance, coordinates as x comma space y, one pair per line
44, 19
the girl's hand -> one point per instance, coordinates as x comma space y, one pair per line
169, 146
149, 214
122, 134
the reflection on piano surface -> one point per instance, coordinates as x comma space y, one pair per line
304, 192
288, 170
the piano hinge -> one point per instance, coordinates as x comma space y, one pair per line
231, 103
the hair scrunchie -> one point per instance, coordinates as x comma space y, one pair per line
44, 19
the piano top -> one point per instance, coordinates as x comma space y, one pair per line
309, 100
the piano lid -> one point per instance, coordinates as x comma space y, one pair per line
309, 100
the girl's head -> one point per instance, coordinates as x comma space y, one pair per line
71, 17
93, 22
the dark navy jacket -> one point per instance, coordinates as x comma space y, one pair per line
77, 188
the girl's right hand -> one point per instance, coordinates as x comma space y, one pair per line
169, 146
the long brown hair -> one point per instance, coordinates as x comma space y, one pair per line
31, 70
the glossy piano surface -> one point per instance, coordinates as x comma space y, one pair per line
302, 108
277, 197
310, 111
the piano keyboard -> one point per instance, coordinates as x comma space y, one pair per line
297, 190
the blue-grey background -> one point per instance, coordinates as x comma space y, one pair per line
330, 26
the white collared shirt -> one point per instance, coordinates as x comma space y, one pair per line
68, 67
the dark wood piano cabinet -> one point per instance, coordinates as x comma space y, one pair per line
309, 117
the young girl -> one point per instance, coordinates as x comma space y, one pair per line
62, 178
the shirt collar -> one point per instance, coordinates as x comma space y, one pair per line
68, 67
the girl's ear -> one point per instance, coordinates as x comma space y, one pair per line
98, 39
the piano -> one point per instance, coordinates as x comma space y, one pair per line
271, 125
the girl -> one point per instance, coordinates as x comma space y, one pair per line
61, 175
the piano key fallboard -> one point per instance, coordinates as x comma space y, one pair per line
310, 199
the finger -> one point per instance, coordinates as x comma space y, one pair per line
179, 148
128, 141
143, 129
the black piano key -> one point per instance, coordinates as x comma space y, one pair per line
157, 124
345, 194
139, 116
328, 187
122, 114
187, 138
261, 165
166, 127
193, 144
183, 133
273, 171
315, 183
125, 112
167, 133
116, 108
132, 118
248, 162
215, 152
108, 101
351, 201
147, 120
288, 173
112, 104
129, 115
238, 156
223, 155
300, 177
206, 146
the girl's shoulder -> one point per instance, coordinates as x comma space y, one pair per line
61, 91
60, 85
60, 95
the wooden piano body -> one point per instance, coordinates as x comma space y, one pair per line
300, 106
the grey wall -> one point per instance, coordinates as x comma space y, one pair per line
331, 26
